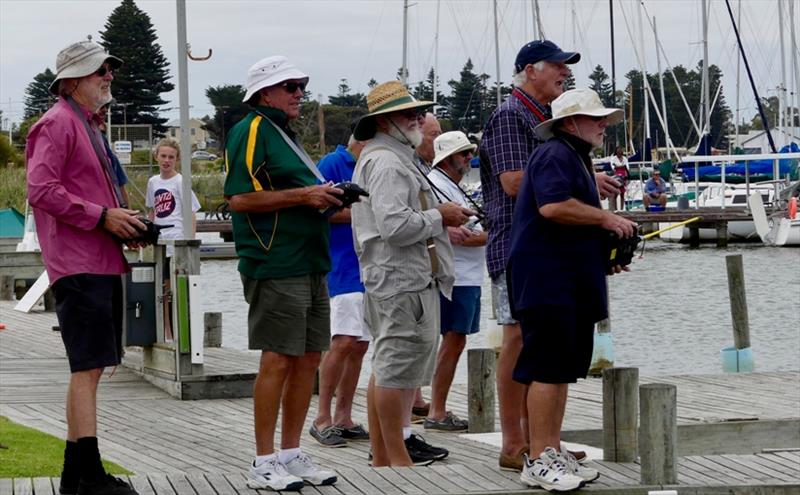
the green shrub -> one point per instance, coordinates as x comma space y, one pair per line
13, 188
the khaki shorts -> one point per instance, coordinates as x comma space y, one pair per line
288, 316
405, 334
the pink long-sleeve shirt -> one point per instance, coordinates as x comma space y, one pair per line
68, 188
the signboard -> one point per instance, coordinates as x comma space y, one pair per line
122, 147
124, 158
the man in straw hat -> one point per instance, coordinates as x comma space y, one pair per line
556, 276
282, 243
405, 260
80, 215
461, 314
540, 70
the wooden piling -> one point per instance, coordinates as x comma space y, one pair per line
212, 329
620, 414
659, 434
480, 390
722, 234
6, 287
738, 299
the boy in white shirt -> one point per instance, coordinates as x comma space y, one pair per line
164, 198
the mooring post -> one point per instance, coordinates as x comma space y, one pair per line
722, 234
6, 287
694, 236
212, 331
480, 390
741, 325
620, 414
659, 434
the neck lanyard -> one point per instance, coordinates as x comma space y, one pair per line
518, 94
478, 209
100, 151
297, 149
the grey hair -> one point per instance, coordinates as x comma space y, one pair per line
351, 141
520, 77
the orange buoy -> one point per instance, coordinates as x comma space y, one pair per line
792, 208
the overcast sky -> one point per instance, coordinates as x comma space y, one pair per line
359, 40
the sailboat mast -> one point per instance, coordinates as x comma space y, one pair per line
404, 69
663, 99
795, 70
706, 85
645, 100
613, 66
497, 54
782, 88
738, 74
436, 55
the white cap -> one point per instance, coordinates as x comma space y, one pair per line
449, 143
269, 72
577, 102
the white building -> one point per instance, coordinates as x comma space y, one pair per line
756, 141
197, 135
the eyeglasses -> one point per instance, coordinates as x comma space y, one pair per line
292, 86
102, 71
465, 153
597, 118
412, 113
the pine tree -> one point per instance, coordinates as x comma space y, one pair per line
229, 109
466, 102
601, 84
569, 82
38, 97
347, 99
144, 76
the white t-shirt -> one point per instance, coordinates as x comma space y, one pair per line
164, 197
470, 261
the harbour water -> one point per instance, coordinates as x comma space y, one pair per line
669, 315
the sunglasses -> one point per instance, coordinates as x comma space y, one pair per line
596, 118
465, 153
102, 71
413, 113
292, 87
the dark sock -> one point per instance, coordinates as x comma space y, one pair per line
89, 457
71, 473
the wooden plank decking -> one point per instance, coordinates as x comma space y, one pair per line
203, 447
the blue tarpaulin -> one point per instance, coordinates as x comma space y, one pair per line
737, 168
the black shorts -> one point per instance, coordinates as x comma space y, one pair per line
89, 310
557, 345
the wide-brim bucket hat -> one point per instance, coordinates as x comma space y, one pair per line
450, 143
80, 60
392, 96
269, 72
577, 102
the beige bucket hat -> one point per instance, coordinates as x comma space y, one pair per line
388, 97
450, 143
577, 102
81, 59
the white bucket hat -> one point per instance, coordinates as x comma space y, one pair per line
450, 143
269, 72
577, 102
81, 59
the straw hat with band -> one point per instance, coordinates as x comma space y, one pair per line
450, 143
392, 96
80, 60
577, 102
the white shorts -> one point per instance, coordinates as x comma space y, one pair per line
347, 316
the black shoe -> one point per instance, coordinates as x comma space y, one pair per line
418, 448
107, 485
68, 487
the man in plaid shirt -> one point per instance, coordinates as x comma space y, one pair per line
540, 70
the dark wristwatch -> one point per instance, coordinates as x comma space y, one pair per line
102, 218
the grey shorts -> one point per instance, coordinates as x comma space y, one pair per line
288, 316
405, 335
502, 308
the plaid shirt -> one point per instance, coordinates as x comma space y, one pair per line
507, 143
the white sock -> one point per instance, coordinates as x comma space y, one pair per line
286, 455
261, 459
406, 432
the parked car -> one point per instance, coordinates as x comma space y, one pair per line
203, 155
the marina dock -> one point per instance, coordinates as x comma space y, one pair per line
738, 433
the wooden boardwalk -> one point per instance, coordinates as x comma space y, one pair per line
203, 447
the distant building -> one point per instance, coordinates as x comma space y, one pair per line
198, 137
755, 142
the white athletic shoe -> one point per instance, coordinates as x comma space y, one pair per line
272, 475
582, 471
302, 466
549, 472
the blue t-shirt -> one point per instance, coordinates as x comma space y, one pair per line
551, 263
343, 277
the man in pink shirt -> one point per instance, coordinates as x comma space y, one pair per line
80, 215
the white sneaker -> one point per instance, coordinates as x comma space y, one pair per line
273, 475
575, 467
303, 467
549, 472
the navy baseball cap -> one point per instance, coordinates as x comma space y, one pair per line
539, 50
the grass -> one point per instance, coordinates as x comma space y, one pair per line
29, 453
13, 189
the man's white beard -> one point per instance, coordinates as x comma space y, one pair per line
412, 137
